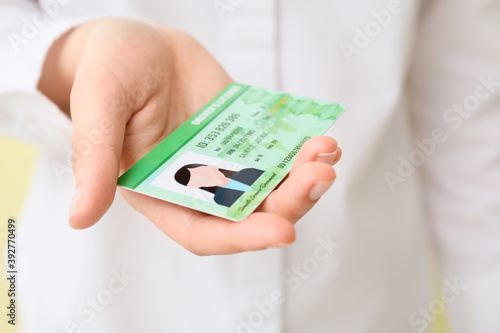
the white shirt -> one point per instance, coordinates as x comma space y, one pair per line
383, 249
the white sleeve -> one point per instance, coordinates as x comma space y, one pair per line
27, 31
455, 94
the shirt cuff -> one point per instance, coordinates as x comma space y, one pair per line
22, 57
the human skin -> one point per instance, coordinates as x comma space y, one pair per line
134, 83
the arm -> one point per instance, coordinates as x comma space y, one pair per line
24, 43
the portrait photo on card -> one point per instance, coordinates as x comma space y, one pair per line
207, 178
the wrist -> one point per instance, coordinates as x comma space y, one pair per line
61, 62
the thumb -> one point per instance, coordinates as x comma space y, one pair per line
98, 133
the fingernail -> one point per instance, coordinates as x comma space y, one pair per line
75, 203
326, 157
319, 189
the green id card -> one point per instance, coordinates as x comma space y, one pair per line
231, 154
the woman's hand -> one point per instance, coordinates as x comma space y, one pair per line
127, 85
